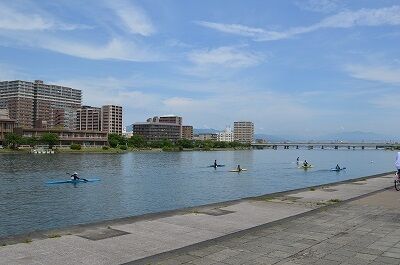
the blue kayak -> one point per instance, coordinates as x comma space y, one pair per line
71, 181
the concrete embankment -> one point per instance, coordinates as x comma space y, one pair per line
129, 239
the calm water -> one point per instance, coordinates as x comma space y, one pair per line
138, 183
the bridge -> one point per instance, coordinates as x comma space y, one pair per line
327, 145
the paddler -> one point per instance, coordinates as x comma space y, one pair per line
215, 163
239, 168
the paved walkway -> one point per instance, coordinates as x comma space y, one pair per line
361, 231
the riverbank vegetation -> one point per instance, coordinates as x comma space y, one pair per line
117, 144
138, 142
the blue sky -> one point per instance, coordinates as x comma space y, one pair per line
293, 67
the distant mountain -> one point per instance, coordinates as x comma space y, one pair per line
202, 131
357, 136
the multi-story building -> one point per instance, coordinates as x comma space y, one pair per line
18, 97
243, 132
187, 132
206, 136
33, 103
88, 118
56, 104
160, 128
111, 119
226, 135
7, 125
68, 137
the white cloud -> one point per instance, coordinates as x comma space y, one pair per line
345, 19
323, 6
134, 18
116, 49
225, 56
382, 74
11, 19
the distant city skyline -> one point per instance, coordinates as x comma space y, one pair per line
308, 67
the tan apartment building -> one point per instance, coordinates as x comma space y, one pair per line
243, 132
111, 119
187, 132
88, 118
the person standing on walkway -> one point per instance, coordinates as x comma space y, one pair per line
397, 163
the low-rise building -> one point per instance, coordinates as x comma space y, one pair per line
226, 135
206, 136
7, 125
68, 137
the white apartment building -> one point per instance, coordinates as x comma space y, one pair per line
226, 135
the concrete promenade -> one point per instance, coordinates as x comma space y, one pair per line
345, 223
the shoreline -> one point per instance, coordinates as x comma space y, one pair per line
80, 228
94, 150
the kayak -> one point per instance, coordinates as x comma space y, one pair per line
217, 166
235, 170
306, 167
71, 181
335, 169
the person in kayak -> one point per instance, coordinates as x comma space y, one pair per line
215, 163
305, 164
239, 168
75, 177
337, 167
298, 159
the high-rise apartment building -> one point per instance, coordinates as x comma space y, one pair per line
243, 132
187, 132
56, 104
88, 118
38, 103
111, 119
18, 97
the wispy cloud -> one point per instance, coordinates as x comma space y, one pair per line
12, 19
226, 56
132, 17
115, 49
220, 62
382, 74
322, 6
345, 19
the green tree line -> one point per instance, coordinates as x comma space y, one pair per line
13, 140
137, 141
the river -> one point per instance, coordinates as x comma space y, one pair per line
146, 182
